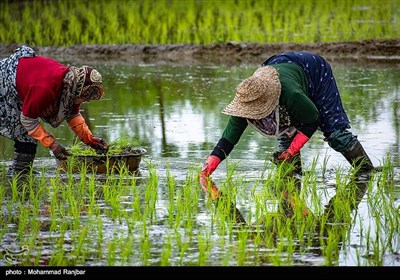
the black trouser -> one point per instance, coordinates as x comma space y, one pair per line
25, 148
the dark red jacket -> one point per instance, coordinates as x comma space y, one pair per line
39, 82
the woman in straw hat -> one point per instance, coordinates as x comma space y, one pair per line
35, 87
290, 96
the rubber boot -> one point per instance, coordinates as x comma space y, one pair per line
358, 158
22, 163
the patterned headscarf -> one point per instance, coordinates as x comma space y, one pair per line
276, 123
89, 85
84, 82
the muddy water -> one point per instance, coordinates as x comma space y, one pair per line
174, 112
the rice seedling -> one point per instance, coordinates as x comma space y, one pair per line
83, 219
196, 22
166, 252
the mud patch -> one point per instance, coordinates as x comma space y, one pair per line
231, 53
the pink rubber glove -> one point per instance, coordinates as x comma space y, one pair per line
206, 183
211, 164
209, 187
298, 142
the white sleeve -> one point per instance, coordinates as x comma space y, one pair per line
29, 123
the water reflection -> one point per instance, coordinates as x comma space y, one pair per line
174, 113
310, 233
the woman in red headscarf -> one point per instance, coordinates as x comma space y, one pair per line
37, 88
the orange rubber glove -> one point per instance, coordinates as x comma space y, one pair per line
206, 183
48, 141
79, 126
298, 142
41, 135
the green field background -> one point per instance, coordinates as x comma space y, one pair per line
64, 23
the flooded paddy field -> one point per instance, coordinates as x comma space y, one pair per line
160, 216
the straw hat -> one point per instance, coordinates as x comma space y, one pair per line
257, 96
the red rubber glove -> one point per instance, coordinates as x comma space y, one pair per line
298, 142
206, 183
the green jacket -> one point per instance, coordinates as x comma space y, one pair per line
303, 113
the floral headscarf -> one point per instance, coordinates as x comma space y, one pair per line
275, 124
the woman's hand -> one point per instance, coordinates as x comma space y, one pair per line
209, 187
59, 151
99, 144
